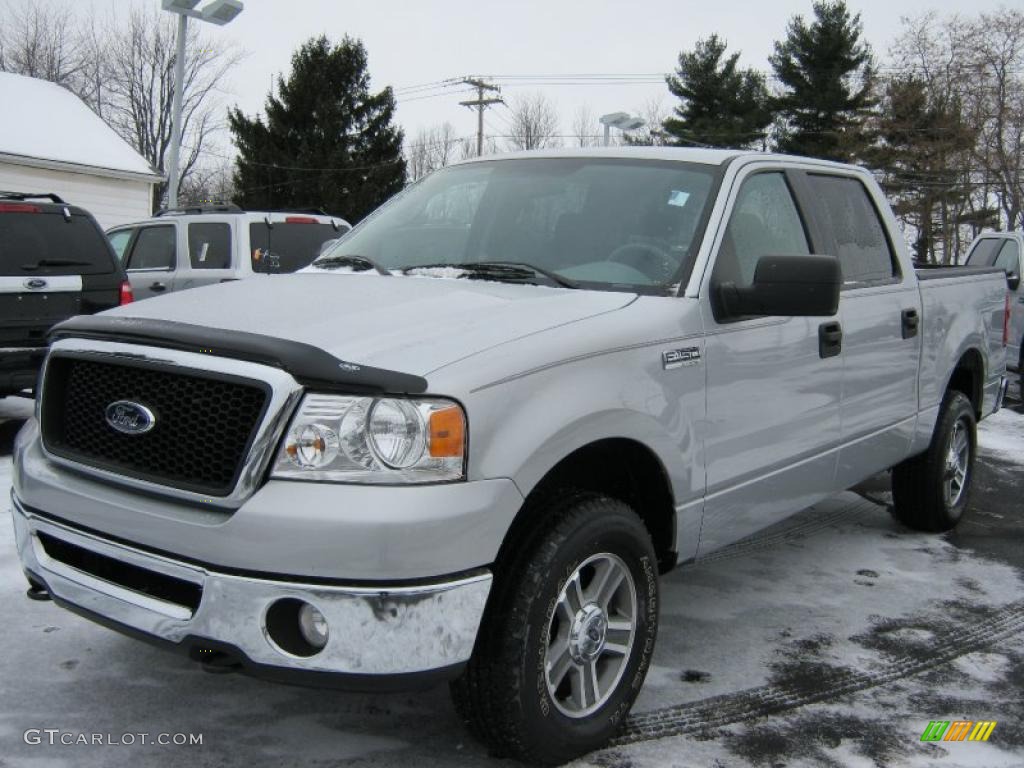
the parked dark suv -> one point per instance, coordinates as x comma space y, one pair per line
55, 262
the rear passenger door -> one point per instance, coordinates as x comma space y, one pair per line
880, 312
209, 254
152, 259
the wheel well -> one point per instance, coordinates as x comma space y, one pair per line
622, 469
967, 378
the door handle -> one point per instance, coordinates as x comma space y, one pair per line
911, 322
830, 339
158, 287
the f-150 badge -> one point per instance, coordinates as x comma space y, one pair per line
677, 358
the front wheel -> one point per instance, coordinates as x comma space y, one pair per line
930, 491
567, 637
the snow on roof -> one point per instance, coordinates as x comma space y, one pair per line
44, 121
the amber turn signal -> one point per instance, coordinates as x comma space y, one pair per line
447, 433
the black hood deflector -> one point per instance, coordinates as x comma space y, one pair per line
311, 366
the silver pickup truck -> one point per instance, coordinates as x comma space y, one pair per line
464, 443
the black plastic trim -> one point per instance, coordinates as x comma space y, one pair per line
936, 272
311, 366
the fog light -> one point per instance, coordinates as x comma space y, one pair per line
313, 626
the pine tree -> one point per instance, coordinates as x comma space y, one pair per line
923, 145
326, 141
721, 104
827, 74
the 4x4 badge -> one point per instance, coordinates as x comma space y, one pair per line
677, 358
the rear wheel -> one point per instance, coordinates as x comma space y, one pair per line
567, 637
931, 491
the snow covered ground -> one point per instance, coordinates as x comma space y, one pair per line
831, 639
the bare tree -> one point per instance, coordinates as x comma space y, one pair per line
977, 66
432, 148
585, 130
42, 41
208, 183
654, 113
122, 66
140, 79
533, 123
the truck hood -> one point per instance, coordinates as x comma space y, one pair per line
409, 324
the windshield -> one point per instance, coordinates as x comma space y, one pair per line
598, 223
38, 243
287, 246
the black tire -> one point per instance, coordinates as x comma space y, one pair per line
920, 497
503, 696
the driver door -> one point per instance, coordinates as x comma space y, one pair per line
773, 390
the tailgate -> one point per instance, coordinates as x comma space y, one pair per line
29, 306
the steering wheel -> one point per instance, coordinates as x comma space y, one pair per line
653, 261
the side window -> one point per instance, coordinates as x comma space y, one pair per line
209, 246
119, 240
764, 222
983, 254
1009, 258
863, 248
154, 249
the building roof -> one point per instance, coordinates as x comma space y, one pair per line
46, 125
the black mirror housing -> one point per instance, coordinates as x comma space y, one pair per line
1013, 280
785, 286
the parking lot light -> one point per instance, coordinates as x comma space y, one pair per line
217, 12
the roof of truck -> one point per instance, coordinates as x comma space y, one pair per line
705, 156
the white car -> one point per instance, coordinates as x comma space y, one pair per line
189, 247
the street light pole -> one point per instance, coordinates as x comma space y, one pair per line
179, 86
216, 12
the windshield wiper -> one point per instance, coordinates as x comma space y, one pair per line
55, 263
350, 260
512, 271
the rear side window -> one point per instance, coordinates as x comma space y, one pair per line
1009, 258
154, 249
119, 241
37, 243
287, 247
852, 220
984, 252
209, 246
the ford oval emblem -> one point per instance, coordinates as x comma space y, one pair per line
130, 418
34, 283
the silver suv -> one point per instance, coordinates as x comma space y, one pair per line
189, 247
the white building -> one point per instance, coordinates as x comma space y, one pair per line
50, 141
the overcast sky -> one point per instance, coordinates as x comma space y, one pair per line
412, 43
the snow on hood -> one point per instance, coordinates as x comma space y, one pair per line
408, 325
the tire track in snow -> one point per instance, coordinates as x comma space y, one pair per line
825, 685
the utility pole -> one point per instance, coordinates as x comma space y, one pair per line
480, 103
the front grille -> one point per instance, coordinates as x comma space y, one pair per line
204, 423
133, 577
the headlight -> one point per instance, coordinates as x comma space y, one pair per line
373, 440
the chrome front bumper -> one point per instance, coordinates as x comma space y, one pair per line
384, 631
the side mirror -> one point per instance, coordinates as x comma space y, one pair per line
1013, 280
786, 286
